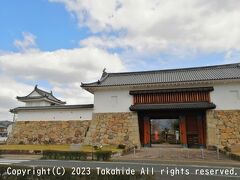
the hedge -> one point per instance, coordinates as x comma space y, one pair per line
65, 155
77, 155
103, 155
121, 146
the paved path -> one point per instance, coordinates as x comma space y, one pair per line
20, 156
12, 161
181, 154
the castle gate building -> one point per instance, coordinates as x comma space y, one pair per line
195, 107
192, 107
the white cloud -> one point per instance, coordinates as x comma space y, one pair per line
60, 66
10, 88
232, 56
161, 25
27, 43
63, 69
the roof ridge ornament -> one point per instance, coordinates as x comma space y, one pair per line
104, 73
36, 86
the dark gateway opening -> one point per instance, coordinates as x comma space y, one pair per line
165, 131
187, 128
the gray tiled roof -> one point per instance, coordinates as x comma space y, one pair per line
5, 123
173, 106
78, 106
43, 94
207, 73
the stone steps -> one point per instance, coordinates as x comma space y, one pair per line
176, 154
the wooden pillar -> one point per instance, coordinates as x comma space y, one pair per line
146, 132
204, 129
183, 131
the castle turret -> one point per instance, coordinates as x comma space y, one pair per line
39, 97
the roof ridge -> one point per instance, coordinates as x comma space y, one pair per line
37, 89
48, 94
203, 73
179, 69
43, 94
103, 78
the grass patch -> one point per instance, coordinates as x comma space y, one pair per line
35, 147
65, 147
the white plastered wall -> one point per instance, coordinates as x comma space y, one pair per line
112, 100
54, 115
226, 96
38, 103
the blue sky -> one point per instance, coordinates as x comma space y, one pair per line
56, 28
58, 44
53, 26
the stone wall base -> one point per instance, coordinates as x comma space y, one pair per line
223, 128
48, 132
113, 129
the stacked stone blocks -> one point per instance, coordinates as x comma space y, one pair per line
223, 128
114, 129
48, 132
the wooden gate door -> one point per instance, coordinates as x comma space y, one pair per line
192, 131
195, 130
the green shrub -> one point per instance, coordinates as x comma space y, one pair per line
95, 147
66, 155
227, 149
121, 146
103, 155
37, 151
76, 155
21, 143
